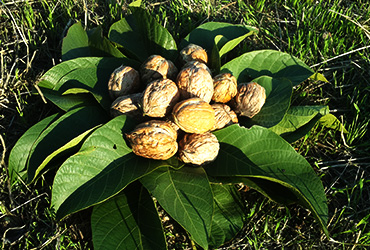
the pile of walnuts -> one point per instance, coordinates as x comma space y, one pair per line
177, 110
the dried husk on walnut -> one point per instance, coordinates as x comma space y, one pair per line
157, 67
154, 140
159, 98
193, 52
194, 115
198, 149
225, 87
127, 105
249, 99
123, 81
194, 80
224, 116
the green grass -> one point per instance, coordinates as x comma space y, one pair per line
332, 36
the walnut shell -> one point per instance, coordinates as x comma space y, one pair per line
154, 139
195, 81
249, 99
157, 67
225, 87
194, 115
127, 105
194, 52
159, 98
224, 116
124, 80
199, 149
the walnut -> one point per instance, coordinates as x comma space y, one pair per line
225, 87
194, 115
224, 116
159, 98
193, 52
194, 80
154, 139
249, 99
198, 149
124, 80
127, 105
157, 67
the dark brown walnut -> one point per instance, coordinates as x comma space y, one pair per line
249, 99
194, 115
224, 116
154, 140
195, 81
159, 98
157, 67
127, 105
225, 87
123, 81
193, 52
198, 149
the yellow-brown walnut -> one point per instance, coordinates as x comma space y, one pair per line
225, 87
127, 105
198, 149
159, 98
224, 116
249, 99
154, 140
123, 81
194, 115
193, 52
157, 67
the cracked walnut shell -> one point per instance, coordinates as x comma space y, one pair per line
249, 99
159, 98
198, 149
194, 115
154, 140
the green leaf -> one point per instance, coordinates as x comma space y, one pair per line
62, 131
205, 34
228, 216
298, 121
100, 46
102, 168
270, 63
142, 36
89, 73
128, 220
332, 122
319, 77
186, 196
260, 153
227, 47
18, 156
70, 146
278, 94
76, 43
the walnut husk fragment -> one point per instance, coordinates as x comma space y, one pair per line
198, 149
123, 81
225, 87
159, 98
155, 139
194, 115
224, 116
249, 99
